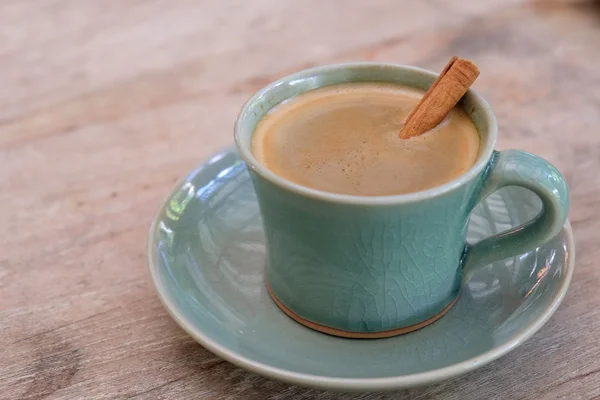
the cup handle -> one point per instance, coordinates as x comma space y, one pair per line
519, 168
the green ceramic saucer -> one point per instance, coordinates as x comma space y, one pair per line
206, 254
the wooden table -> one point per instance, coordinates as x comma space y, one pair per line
104, 104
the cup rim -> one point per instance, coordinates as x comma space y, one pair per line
482, 160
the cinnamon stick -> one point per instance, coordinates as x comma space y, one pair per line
454, 81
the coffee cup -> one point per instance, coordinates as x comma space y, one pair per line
379, 266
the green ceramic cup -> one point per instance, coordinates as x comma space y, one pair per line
362, 266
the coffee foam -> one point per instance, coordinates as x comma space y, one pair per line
344, 139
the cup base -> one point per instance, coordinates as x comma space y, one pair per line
357, 335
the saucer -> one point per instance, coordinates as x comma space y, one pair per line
206, 252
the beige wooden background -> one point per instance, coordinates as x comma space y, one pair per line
104, 104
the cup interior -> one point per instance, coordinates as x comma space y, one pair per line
293, 85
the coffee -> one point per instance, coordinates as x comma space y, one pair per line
344, 139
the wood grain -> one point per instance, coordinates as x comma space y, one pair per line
103, 105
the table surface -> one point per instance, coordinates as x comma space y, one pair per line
103, 105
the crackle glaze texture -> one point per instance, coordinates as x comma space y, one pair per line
207, 259
365, 267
